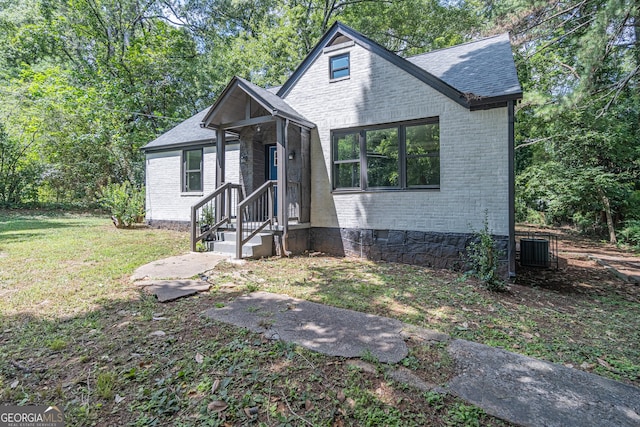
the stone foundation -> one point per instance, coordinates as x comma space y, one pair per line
432, 249
170, 225
440, 250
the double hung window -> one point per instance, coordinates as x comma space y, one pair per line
339, 66
192, 170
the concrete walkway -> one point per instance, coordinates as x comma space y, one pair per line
325, 329
510, 386
169, 278
184, 266
532, 392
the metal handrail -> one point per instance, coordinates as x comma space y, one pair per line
254, 214
222, 206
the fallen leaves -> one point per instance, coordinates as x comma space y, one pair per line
604, 364
308, 405
215, 386
217, 406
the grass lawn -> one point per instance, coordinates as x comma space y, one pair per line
582, 316
75, 333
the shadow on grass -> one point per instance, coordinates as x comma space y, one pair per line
581, 315
19, 228
138, 362
385, 289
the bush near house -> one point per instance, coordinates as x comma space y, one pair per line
124, 201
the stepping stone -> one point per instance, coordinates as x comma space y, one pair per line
178, 267
535, 393
169, 290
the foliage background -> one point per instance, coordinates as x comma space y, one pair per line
85, 83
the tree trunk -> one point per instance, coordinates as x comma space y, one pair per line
607, 212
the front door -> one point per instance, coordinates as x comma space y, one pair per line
272, 173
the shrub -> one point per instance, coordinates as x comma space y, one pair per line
208, 215
630, 234
484, 256
125, 203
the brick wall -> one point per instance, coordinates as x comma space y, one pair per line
164, 199
473, 150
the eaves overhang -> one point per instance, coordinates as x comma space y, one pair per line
230, 139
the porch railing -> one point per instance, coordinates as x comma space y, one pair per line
254, 214
215, 210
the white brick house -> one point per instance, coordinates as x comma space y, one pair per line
390, 158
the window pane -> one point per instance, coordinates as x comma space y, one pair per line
340, 73
194, 158
382, 158
423, 139
422, 171
194, 181
347, 175
347, 147
339, 66
423, 155
340, 62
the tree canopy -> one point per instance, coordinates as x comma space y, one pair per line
86, 83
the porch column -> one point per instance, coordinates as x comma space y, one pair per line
220, 157
220, 170
282, 155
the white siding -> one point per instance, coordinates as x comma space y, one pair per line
164, 199
473, 150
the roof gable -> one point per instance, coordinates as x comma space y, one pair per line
442, 81
233, 97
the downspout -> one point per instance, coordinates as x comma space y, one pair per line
512, 191
285, 226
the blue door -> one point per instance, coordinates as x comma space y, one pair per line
272, 173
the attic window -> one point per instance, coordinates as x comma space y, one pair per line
339, 66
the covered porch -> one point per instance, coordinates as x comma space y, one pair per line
273, 195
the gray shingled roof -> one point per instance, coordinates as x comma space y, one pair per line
484, 68
188, 131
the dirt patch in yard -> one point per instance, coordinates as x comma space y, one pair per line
579, 272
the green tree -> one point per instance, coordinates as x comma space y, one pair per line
20, 170
578, 140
